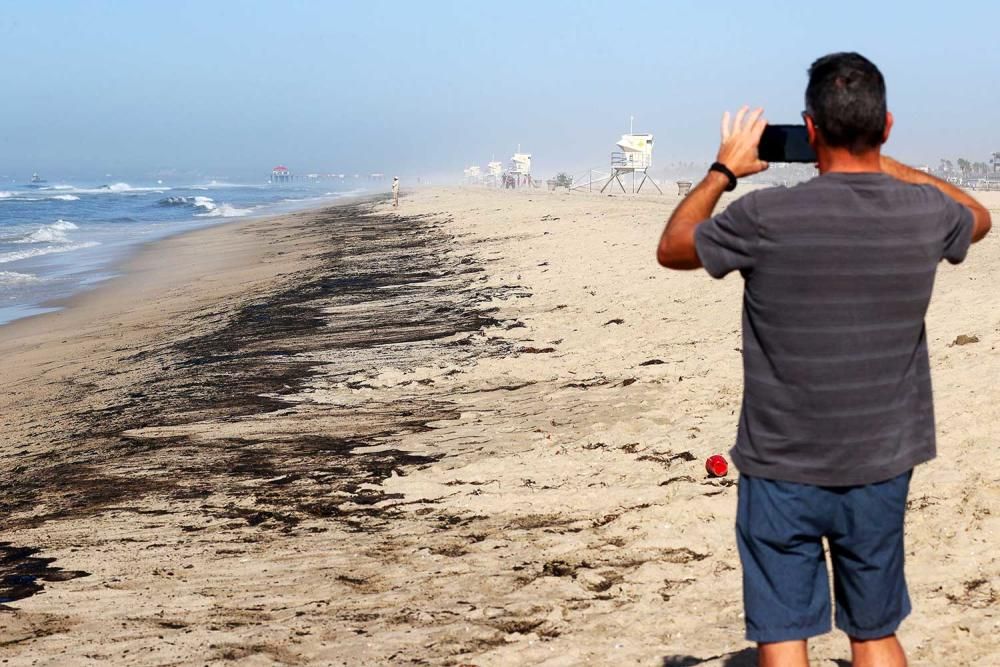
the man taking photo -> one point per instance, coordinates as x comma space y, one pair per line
837, 406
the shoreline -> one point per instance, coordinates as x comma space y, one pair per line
116, 267
468, 431
211, 397
120, 270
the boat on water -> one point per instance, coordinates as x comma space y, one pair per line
37, 180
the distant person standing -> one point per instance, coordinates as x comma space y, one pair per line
395, 191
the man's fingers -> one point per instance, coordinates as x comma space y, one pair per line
738, 124
758, 129
725, 126
753, 118
761, 165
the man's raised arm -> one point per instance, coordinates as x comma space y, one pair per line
676, 249
738, 153
980, 213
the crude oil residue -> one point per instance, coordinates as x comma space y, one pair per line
22, 572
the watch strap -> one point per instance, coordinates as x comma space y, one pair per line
727, 172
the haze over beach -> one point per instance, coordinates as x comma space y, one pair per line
202, 89
255, 413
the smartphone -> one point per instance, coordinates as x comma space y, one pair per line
785, 143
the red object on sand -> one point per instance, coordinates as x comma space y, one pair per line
716, 466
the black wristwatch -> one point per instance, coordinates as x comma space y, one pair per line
723, 169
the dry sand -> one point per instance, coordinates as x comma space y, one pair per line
470, 432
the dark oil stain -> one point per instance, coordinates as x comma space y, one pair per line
387, 280
22, 572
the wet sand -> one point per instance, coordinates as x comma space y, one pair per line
472, 431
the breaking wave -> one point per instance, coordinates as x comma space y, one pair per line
206, 203
54, 233
208, 206
223, 184
225, 211
112, 188
124, 187
15, 278
22, 196
46, 250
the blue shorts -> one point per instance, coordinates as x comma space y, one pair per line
780, 528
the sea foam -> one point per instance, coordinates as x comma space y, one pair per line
224, 211
15, 278
123, 187
113, 188
45, 250
204, 203
54, 233
208, 205
176, 201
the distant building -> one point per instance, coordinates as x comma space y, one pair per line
494, 174
473, 175
519, 173
281, 174
635, 156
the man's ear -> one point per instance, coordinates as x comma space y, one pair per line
888, 126
811, 131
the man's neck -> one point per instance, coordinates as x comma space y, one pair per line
834, 160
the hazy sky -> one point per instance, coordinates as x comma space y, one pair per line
232, 88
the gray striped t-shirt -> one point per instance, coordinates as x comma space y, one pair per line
838, 273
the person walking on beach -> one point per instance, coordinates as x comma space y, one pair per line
395, 191
837, 405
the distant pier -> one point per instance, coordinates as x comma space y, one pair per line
281, 174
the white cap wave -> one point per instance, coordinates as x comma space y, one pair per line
54, 233
15, 278
46, 240
223, 210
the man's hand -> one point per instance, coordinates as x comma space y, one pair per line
739, 142
980, 214
739, 153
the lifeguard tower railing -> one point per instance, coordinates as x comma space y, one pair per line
631, 160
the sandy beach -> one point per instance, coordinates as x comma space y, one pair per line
470, 431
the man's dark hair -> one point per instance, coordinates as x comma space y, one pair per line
846, 99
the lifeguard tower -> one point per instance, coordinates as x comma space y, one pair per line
635, 156
473, 175
519, 174
494, 174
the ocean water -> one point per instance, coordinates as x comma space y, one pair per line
57, 239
